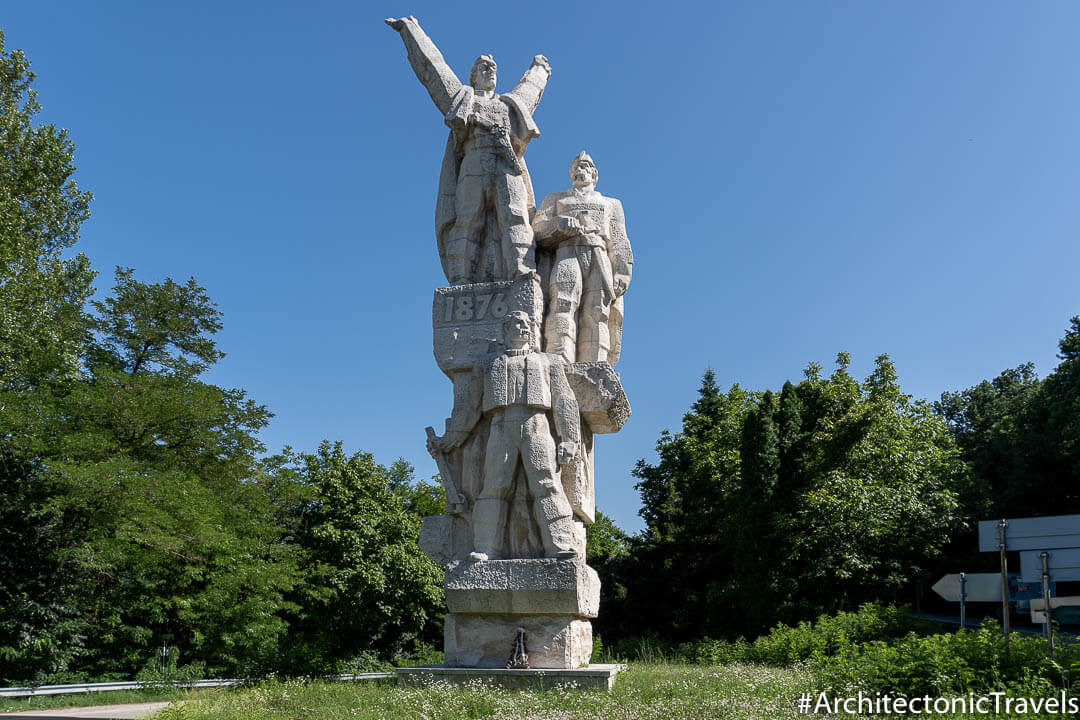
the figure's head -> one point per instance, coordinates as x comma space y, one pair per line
583, 172
517, 329
482, 75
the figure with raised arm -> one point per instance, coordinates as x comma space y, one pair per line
485, 201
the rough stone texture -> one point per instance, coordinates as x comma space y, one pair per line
528, 333
591, 262
487, 641
594, 677
533, 423
600, 396
436, 538
480, 240
523, 587
467, 319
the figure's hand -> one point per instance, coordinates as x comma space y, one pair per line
569, 224
567, 452
541, 61
446, 443
620, 287
399, 23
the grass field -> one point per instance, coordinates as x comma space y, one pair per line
115, 697
645, 692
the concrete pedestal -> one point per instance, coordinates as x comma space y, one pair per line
551, 600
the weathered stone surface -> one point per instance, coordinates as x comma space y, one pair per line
487, 641
590, 270
436, 539
528, 333
600, 395
467, 319
533, 423
523, 587
480, 240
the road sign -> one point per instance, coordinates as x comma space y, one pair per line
1039, 533
981, 587
1063, 564
986, 587
1037, 614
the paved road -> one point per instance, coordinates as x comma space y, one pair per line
99, 712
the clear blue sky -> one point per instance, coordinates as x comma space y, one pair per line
799, 178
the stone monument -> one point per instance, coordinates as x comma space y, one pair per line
528, 332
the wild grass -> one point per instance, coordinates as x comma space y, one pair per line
113, 697
642, 692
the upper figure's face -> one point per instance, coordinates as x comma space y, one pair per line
483, 76
583, 174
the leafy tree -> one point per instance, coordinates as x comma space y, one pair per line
1021, 436
1055, 419
421, 498
608, 551
766, 509
41, 633
42, 331
41, 208
367, 585
604, 540
154, 468
884, 499
683, 559
991, 424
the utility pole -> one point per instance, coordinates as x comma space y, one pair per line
1002, 524
963, 600
1045, 557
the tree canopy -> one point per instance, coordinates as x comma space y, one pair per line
769, 508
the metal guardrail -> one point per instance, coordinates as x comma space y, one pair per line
33, 690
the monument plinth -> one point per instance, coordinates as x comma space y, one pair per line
528, 332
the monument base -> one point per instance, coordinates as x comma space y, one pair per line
593, 677
553, 642
491, 602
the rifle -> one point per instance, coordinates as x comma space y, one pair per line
455, 501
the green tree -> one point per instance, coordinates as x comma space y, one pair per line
154, 468
750, 524
421, 498
41, 632
1021, 437
1055, 419
41, 208
367, 586
604, 540
991, 422
42, 333
883, 502
766, 510
683, 559
607, 550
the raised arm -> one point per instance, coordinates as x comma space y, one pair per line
531, 85
427, 62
